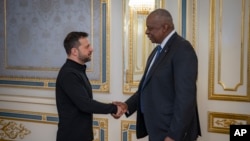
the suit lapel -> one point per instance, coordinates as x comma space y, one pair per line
161, 57
150, 58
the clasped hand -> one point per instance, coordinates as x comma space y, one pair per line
121, 109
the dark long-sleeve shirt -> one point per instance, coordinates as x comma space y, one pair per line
75, 103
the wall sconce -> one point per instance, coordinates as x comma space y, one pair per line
142, 5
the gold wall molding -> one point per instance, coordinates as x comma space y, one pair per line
136, 46
39, 60
179, 29
220, 51
220, 122
100, 129
128, 129
27, 99
9, 119
228, 80
28, 116
10, 130
194, 24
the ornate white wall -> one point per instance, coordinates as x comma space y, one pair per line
34, 117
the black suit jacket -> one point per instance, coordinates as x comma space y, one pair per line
169, 94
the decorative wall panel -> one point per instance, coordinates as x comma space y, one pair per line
220, 122
100, 126
10, 130
32, 52
13, 120
229, 75
136, 45
128, 130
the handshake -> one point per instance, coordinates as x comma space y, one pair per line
121, 109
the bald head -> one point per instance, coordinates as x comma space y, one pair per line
159, 25
163, 16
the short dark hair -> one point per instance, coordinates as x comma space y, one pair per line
72, 40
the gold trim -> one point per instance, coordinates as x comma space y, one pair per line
220, 122
212, 43
45, 81
248, 54
13, 98
11, 130
163, 3
212, 28
129, 84
102, 86
194, 21
180, 16
101, 130
126, 130
220, 49
43, 116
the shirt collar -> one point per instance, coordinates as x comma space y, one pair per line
76, 65
167, 38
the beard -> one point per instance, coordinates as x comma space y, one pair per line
83, 58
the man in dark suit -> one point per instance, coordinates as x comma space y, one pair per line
166, 98
74, 98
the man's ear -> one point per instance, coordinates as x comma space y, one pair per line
165, 27
74, 51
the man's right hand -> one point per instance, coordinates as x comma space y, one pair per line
121, 109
